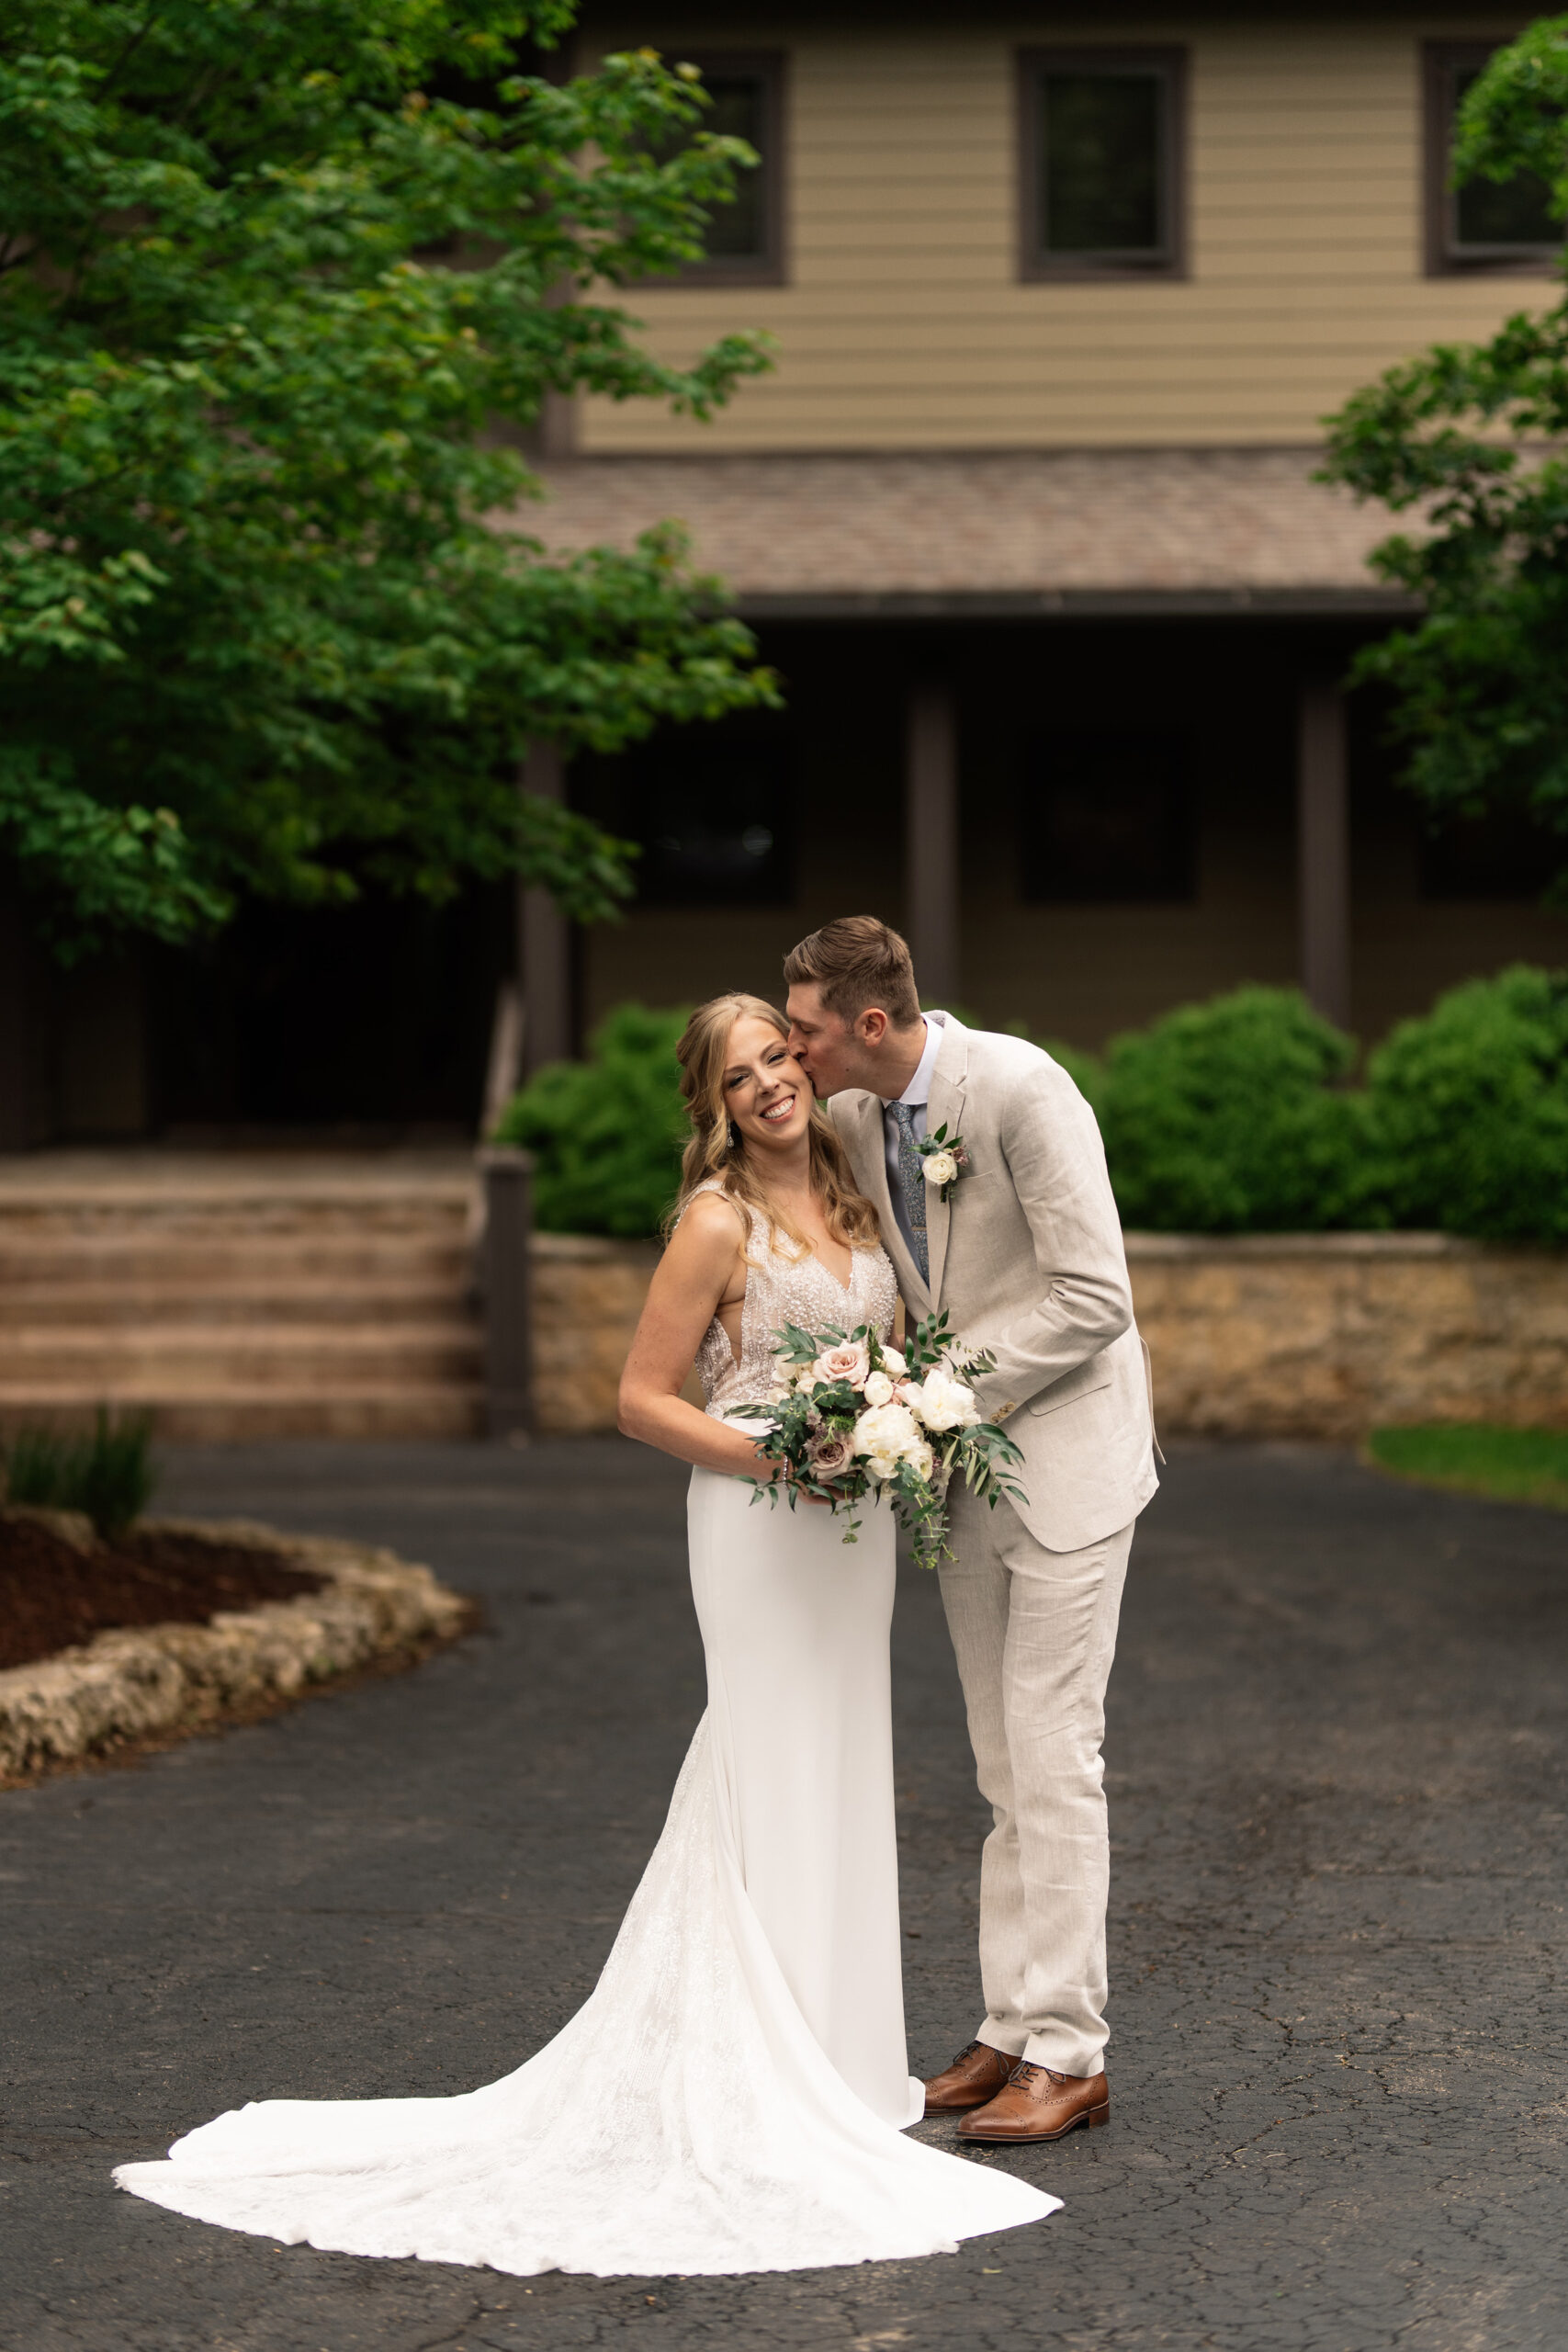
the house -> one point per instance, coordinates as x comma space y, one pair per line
1026, 518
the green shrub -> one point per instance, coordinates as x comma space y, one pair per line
110, 1475
1470, 1111
607, 1133
1228, 1117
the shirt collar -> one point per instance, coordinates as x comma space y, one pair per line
920, 1087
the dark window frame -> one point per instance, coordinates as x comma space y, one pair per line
1445, 257
1034, 263
771, 267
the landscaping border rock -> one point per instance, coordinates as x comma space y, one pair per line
154, 1681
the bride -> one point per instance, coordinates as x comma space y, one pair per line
731, 2096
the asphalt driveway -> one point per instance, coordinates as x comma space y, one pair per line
1338, 1770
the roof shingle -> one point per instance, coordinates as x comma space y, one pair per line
1008, 528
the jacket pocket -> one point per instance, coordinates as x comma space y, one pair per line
1068, 1389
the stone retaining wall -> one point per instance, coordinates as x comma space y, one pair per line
1257, 1335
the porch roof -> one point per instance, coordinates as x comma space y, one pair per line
1002, 532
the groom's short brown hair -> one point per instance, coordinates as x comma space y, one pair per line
856, 962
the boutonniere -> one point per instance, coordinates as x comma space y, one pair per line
947, 1159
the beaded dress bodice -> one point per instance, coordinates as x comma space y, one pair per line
782, 1289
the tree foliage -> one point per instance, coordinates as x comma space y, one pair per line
1463, 437
279, 283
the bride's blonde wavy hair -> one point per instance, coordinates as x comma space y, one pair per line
703, 1053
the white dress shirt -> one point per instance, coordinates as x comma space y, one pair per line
917, 1094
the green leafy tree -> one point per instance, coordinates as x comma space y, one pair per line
1463, 435
279, 286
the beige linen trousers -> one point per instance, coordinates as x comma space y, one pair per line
1026, 1257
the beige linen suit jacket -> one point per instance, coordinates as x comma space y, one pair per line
1026, 1256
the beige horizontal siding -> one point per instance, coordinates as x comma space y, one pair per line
905, 327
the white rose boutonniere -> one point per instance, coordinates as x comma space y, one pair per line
947, 1159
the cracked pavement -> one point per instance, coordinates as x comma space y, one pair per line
1339, 1809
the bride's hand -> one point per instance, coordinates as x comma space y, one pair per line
781, 1470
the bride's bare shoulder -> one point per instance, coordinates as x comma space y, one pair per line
710, 1221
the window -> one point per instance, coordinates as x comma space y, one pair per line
1101, 163
711, 816
1106, 817
1486, 224
745, 239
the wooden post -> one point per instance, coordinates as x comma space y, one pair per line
1323, 849
930, 842
545, 939
506, 1287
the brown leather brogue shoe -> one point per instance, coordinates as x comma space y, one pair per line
1037, 2103
975, 2075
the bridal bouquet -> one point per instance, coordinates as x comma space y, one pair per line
851, 1414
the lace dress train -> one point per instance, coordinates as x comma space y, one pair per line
729, 2097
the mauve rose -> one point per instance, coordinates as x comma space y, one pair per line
829, 1456
850, 1362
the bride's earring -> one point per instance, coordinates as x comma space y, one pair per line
734, 1136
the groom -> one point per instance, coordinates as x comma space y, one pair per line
1026, 1257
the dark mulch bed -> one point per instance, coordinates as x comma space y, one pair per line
52, 1594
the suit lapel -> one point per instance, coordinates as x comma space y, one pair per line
867, 1140
944, 1108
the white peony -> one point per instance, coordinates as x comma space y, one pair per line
922, 1460
894, 1362
887, 1433
881, 1465
878, 1389
946, 1403
941, 1168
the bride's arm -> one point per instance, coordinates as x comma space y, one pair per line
683, 1299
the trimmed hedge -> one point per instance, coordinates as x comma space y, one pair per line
1471, 1111
607, 1133
1234, 1117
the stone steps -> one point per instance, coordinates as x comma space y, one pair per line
254, 1295
323, 1299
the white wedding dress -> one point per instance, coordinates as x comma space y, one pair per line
730, 2096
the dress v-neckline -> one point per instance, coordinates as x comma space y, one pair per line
848, 1288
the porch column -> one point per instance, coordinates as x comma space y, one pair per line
931, 841
544, 958
1323, 849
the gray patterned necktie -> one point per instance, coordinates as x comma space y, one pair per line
912, 1183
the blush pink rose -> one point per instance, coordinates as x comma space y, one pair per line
829, 1456
850, 1362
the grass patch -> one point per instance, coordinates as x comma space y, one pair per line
1478, 1458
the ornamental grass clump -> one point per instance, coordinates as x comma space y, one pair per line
109, 1476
